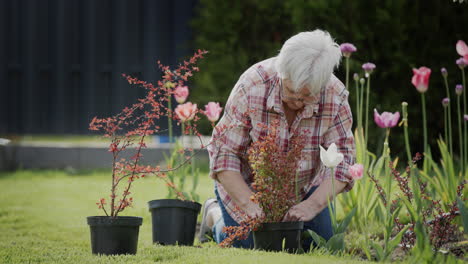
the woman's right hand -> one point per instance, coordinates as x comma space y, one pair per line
253, 210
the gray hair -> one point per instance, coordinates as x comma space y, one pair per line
308, 58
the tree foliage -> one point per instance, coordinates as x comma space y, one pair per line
396, 35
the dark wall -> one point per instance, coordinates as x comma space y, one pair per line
61, 60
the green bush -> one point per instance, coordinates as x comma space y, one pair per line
396, 35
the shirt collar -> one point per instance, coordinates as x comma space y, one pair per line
274, 102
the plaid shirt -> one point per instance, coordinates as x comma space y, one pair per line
257, 98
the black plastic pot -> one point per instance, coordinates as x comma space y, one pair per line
174, 221
114, 236
270, 236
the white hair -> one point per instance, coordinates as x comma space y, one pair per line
308, 58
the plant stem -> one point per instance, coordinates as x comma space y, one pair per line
387, 164
361, 109
192, 152
450, 141
465, 135
169, 116
358, 112
367, 111
423, 100
334, 194
460, 135
296, 187
404, 107
347, 72
445, 124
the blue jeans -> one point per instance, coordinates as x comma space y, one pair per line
321, 225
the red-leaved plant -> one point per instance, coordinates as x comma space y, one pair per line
275, 181
439, 224
128, 129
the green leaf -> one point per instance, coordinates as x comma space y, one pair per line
344, 224
392, 244
320, 241
411, 210
378, 250
336, 242
463, 213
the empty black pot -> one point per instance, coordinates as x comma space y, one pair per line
174, 221
114, 236
272, 236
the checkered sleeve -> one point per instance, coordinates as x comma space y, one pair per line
231, 138
340, 133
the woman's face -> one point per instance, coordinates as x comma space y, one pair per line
296, 100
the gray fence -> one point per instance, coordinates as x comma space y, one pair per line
61, 60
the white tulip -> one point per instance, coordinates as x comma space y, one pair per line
331, 157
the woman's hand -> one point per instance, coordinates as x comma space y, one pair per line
308, 209
253, 210
303, 211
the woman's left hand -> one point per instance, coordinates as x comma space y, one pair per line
300, 212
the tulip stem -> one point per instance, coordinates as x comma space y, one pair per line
347, 72
387, 171
169, 116
465, 135
449, 118
445, 123
361, 107
358, 110
460, 135
367, 113
423, 99
405, 129
192, 161
333, 193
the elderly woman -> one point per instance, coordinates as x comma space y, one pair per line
299, 88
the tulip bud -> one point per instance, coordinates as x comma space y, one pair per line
459, 89
356, 171
356, 77
386, 119
347, 49
461, 62
444, 72
420, 79
445, 102
331, 157
368, 67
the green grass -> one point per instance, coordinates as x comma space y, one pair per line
43, 220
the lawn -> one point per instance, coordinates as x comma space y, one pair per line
43, 220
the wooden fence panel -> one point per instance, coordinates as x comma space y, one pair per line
61, 60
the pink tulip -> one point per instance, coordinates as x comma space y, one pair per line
356, 171
420, 79
181, 93
212, 111
186, 112
462, 49
386, 119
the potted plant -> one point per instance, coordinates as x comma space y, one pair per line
127, 130
113, 234
276, 191
174, 219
